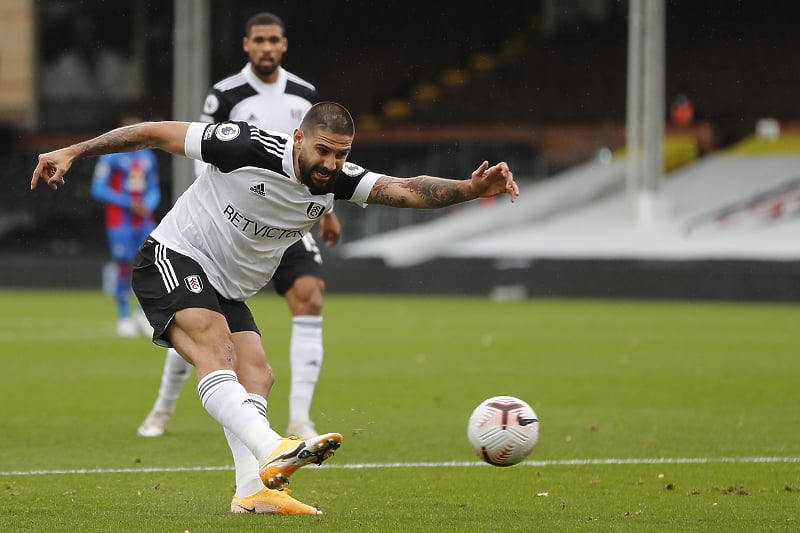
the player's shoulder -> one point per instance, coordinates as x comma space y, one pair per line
240, 132
231, 82
294, 78
297, 86
225, 94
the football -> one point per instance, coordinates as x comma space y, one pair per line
503, 430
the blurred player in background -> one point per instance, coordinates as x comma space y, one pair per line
265, 94
128, 185
221, 243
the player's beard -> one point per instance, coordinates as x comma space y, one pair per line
265, 71
306, 171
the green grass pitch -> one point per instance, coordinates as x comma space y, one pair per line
655, 417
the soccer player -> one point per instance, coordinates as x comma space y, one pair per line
220, 244
265, 94
128, 185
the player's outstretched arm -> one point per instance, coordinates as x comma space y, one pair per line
430, 192
168, 136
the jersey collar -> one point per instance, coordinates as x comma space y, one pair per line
278, 87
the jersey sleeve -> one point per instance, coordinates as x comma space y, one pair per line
354, 183
234, 144
192, 145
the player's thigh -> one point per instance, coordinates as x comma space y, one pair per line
202, 336
166, 282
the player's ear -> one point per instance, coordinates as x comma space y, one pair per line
297, 135
244, 44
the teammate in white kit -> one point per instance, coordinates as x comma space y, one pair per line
221, 243
263, 93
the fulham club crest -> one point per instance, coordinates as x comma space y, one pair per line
315, 210
194, 284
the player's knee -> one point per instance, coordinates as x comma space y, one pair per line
305, 297
269, 378
312, 305
256, 376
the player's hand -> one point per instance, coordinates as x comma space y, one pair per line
498, 179
138, 208
51, 168
330, 230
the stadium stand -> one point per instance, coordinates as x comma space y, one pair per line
729, 232
547, 100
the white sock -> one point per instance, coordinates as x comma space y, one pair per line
176, 370
305, 356
229, 404
248, 482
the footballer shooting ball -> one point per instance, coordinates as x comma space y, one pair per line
503, 430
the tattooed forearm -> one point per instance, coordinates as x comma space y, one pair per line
125, 139
435, 192
422, 192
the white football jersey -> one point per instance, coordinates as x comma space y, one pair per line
278, 106
239, 216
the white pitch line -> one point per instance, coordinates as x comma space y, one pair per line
449, 464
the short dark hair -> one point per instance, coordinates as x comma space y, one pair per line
263, 19
330, 116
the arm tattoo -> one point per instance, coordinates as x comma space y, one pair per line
425, 192
125, 139
435, 192
383, 194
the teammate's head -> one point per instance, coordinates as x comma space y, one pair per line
322, 143
263, 19
265, 43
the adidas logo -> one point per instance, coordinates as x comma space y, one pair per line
258, 189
